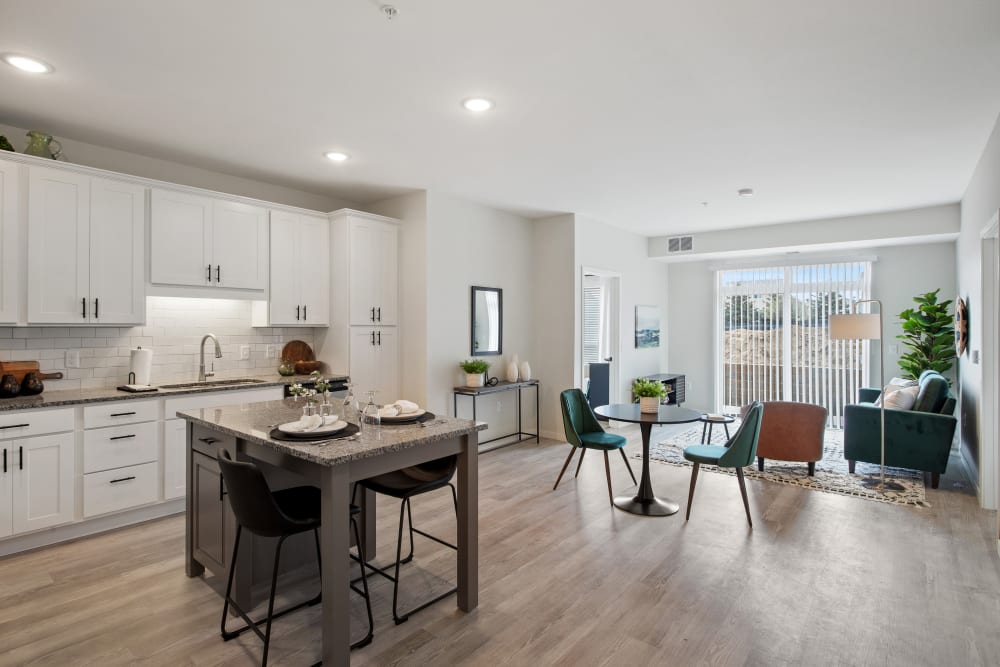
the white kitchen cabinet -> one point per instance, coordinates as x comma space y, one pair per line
200, 241
9, 252
6, 490
42, 492
375, 362
86, 249
300, 270
373, 271
174, 451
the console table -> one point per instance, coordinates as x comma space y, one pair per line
476, 392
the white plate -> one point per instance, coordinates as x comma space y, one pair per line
291, 428
410, 416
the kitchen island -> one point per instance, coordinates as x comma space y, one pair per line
243, 430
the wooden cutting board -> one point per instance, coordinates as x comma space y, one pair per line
297, 350
18, 368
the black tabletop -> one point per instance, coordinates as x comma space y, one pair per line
668, 414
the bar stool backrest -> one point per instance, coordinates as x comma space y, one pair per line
252, 500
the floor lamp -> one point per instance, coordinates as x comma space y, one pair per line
867, 326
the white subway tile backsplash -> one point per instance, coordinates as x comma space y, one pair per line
173, 331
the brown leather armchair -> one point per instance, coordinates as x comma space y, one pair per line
791, 432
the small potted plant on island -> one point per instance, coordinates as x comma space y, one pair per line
475, 372
649, 393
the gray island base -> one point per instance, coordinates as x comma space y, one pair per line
243, 431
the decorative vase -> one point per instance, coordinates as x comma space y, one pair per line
524, 371
649, 404
39, 144
31, 385
286, 367
512, 370
9, 387
475, 379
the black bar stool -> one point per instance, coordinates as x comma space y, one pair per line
404, 484
278, 514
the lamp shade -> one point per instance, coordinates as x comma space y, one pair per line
857, 326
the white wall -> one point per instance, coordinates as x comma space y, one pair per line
899, 274
980, 203
134, 164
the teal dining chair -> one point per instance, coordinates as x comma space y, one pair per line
584, 431
737, 453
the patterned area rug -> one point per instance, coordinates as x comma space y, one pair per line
831, 472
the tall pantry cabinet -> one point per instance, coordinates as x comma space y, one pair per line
364, 279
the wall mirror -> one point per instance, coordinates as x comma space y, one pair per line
487, 321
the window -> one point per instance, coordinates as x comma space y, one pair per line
774, 335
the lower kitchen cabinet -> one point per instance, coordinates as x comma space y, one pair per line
174, 446
37, 483
214, 526
120, 488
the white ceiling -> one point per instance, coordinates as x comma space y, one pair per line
629, 112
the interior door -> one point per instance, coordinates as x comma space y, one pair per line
285, 304
58, 246
239, 245
43, 493
9, 172
314, 269
117, 252
179, 238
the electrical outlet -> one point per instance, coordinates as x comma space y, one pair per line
72, 358
269, 352
244, 352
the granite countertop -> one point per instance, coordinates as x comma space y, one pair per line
64, 397
255, 425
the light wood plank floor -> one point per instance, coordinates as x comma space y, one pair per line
566, 580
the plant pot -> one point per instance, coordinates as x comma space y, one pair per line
649, 404
475, 379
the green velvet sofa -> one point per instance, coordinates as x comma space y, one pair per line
918, 439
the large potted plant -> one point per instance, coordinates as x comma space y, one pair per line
929, 335
475, 371
649, 393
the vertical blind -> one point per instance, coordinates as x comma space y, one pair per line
593, 301
774, 335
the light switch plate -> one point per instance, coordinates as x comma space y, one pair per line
975, 356
72, 358
244, 352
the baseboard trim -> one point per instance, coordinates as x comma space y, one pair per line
101, 524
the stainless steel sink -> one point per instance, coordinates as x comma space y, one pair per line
212, 383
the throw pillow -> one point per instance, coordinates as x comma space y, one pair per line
895, 384
902, 398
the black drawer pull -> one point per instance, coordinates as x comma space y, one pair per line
122, 437
5, 460
305, 312
15, 426
122, 414
20, 457
208, 441
122, 479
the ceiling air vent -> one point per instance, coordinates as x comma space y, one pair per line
679, 244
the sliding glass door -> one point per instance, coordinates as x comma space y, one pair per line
774, 341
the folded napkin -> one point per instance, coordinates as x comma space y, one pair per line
399, 408
304, 424
390, 410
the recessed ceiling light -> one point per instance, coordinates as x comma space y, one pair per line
745, 192
337, 156
478, 104
27, 64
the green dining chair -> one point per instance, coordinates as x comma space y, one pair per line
737, 453
584, 431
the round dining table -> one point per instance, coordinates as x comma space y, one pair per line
644, 502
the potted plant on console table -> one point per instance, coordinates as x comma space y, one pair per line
649, 393
475, 372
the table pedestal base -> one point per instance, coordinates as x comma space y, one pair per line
652, 507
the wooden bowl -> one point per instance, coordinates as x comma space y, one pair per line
307, 367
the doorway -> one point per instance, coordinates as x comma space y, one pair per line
601, 343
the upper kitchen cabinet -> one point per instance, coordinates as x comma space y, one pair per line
205, 242
300, 270
86, 240
372, 247
9, 255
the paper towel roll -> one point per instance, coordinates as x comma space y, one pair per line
141, 363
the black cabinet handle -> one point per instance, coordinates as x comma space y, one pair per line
222, 489
97, 308
14, 426
209, 273
373, 338
122, 437
208, 441
380, 338
20, 458
218, 273
5, 459
373, 313
122, 479
297, 313
305, 312
122, 414
379, 309
84, 302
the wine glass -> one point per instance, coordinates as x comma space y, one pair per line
370, 415
350, 406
